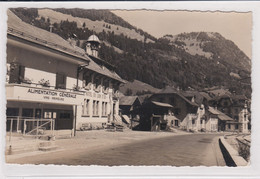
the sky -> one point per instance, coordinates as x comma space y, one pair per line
232, 25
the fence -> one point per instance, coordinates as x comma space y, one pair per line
29, 126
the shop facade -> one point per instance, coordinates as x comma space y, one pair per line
51, 78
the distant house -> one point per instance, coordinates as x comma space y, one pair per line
128, 104
188, 107
154, 116
216, 120
181, 105
234, 106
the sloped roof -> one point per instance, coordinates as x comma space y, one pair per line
26, 31
171, 90
224, 117
205, 95
198, 98
220, 115
168, 90
220, 92
213, 111
34, 34
127, 100
162, 104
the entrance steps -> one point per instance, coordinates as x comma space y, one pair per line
24, 144
47, 146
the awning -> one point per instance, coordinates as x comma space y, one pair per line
162, 104
224, 117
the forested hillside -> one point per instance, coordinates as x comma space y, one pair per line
195, 60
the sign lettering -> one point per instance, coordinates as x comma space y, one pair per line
54, 95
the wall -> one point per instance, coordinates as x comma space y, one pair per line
39, 66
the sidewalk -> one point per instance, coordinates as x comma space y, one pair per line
240, 143
90, 140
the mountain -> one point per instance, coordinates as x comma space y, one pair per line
194, 60
213, 46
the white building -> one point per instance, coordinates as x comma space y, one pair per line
50, 78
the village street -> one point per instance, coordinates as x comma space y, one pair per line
159, 149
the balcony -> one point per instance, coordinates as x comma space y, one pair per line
42, 94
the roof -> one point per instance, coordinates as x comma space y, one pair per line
224, 117
171, 90
34, 34
198, 98
221, 116
127, 100
93, 38
213, 111
29, 32
162, 104
205, 95
219, 92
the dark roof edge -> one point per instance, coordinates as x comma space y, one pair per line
36, 40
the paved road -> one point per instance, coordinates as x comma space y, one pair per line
182, 150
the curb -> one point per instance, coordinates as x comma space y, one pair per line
230, 155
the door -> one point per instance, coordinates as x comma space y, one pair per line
64, 120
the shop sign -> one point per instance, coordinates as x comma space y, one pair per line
52, 95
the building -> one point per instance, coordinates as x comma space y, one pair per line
128, 104
55, 82
154, 116
236, 107
181, 105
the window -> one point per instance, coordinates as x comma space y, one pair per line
94, 108
60, 81
176, 123
193, 121
85, 107
97, 81
97, 110
236, 118
236, 126
106, 83
10, 112
16, 73
229, 126
87, 79
104, 108
65, 115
